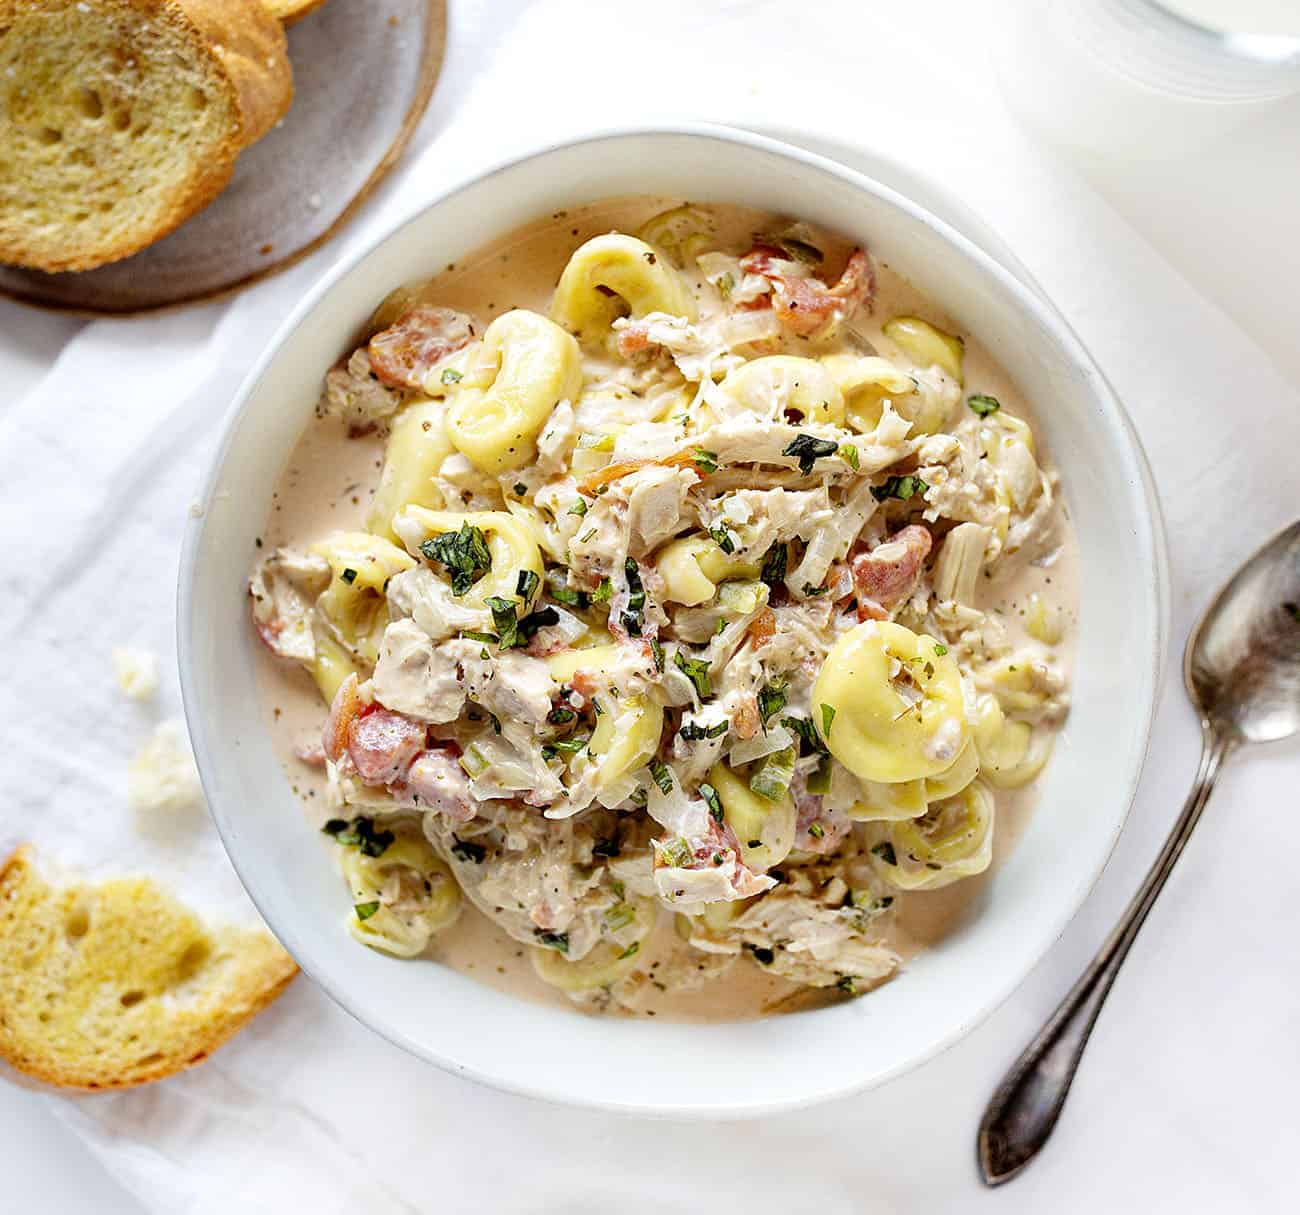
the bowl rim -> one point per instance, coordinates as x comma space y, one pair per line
1027, 296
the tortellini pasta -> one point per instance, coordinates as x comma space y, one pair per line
525, 367
1012, 753
610, 959
888, 802
780, 384
888, 703
866, 382
401, 897
353, 603
511, 544
417, 445
927, 345
764, 829
952, 840
692, 569
681, 232
615, 275
625, 738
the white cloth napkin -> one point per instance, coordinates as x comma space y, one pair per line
307, 1110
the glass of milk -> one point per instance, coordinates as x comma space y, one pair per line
1147, 79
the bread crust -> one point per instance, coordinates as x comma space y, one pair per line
262, 983
248, 56
289, 11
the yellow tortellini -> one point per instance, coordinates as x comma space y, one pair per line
1011, 753
926, 345
952, 840
693, 567
888, 802
353, 603
626, 738
417, 445
511, 543
524, 368
612, 276
866, 382
888, 703
681, 232
564, 664
610, 959
401, 897
764, 829
800, 386
951, 781
331, 666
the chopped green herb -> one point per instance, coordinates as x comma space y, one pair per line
771, 700
484, 638
365, 910
675, 854
711, 799
334, 826
723, 538
569, 597
817, 831
901, 488
563, 746
725, 284
885, 851
360, 833
940, 650
630, 951
774, 564
604, 592
657, 652
983, 404
693, 731
847, 984
662, 774
706, 461
849, 454
810, 742
808, 449
465, 554
828, 716
451, 376
504, 619
579, 507
468, 851
812, 592
561, 716
552, 940
772, 777
587, 535
349, 576
697, 671
528, 582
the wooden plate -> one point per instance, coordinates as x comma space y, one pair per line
364, 71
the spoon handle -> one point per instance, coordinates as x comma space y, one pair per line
1020, 1117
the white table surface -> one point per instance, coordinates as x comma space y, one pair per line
1187, 1100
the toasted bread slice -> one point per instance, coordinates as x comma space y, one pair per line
288, 11
112, 985
119, 119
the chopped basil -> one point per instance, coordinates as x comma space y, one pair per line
983, 404
657, 652
465, 554
528, 582
579, 507
723, 538
819, 781
563, 746
774, 564
504, 619
552, 940
940, 650
706, 461
849, 454
365, 910
808, 449
711, 799
901, 488
816, 830
675, 854
828, 716
693, 731
468, 851
885, 851
771, 700
662, 774
847, 984
697, 671
812, 592
771, 779
561, 716
604, 592
630, 951
360, 833
534, 621
349, 576
810, 742
485, 638
451, 376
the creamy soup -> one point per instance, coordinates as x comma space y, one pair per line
668, 613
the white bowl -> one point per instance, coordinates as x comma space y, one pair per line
658, 1067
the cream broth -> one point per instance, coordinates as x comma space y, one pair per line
329, 483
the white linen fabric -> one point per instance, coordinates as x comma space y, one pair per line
307, 1110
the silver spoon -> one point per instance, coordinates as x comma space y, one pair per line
1242, 671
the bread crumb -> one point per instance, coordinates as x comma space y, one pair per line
163, 776
136, 672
